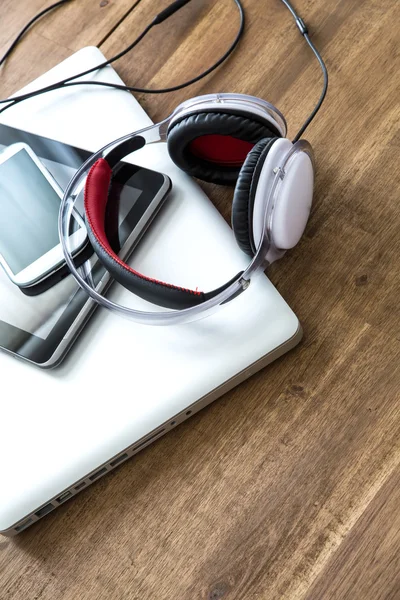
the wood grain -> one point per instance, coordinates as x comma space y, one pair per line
367, 564
286, 488
12, 21
54, 37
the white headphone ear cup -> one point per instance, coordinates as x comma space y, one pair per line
292, 199
293, 203
275, 156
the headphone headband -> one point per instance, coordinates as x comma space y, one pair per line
158, 292
232, 103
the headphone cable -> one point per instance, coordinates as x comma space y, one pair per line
160, 18
304, 32
28, 26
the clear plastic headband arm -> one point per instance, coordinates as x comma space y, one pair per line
154, 134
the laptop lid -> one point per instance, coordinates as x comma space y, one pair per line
123, 381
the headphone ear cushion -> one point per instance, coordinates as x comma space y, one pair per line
213, 146
244, 195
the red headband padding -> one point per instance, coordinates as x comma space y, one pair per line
223, 150
96, 197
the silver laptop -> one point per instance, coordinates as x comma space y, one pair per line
125, 385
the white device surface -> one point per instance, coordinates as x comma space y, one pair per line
30, 198
124, 384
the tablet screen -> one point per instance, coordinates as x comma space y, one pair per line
36, 315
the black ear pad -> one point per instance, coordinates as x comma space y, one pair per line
244, 195
227, 137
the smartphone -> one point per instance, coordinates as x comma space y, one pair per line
30, 249
42, 329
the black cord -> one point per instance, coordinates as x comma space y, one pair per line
165, 14
169, 11
304, 32
27, 26
323, 93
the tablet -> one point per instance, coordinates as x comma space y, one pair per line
41, 329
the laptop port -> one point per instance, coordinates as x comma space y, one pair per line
119, 459
64, 496
44, 510
23, 525
98, 474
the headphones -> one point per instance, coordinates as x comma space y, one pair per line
228, 139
